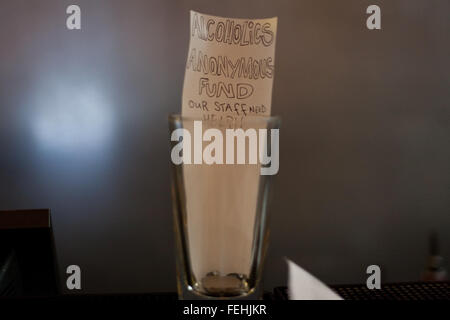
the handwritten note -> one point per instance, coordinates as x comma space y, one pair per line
230, 68
229, 76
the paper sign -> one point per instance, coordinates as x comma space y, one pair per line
229, 76
230, 68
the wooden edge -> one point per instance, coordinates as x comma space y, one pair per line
25, 219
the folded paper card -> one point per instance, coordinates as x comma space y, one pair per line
304, 286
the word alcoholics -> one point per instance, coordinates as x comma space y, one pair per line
232, 32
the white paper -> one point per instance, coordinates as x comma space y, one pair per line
304, 286
228, 77
230, 67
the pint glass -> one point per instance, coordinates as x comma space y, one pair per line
219, 205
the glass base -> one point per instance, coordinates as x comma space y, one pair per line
189, 293
214, 286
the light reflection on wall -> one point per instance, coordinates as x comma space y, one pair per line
71, 118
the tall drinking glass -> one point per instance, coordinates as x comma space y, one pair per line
220, 204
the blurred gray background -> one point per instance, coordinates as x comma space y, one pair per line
365, 141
